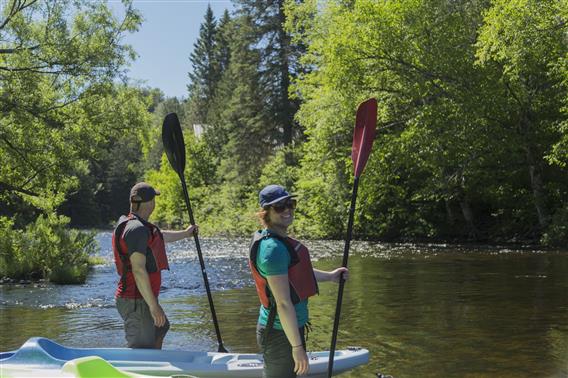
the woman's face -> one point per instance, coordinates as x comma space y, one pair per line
281, 214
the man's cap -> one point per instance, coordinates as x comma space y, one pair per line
272, 194
143, 192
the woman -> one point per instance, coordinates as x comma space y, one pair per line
284, 279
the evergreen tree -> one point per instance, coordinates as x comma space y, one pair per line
277, 64
243, 117
216, 132
205, 70
223, 51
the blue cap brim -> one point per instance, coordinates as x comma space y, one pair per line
280, 199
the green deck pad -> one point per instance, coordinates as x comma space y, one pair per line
93, 367
97, 367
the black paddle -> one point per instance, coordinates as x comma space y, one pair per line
172, 137
363, 137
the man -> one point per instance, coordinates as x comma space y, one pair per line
140, 256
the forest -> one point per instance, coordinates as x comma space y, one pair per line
472, 134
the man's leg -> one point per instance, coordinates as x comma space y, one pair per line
138, 323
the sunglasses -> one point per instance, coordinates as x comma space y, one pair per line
281, 206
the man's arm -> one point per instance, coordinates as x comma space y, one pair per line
138, 262
172, 236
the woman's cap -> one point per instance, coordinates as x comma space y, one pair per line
272, 194
143, 192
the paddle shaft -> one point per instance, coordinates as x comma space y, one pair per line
202, 263
341, 280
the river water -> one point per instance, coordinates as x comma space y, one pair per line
422, 310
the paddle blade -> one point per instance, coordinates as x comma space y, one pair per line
172, 137
364, 134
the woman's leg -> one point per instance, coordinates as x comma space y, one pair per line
277, 353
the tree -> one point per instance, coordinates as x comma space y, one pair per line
277, 64
535, 88
109, 172
223, 50
206, 69
249, 141
447, 157
216, 132
58, 64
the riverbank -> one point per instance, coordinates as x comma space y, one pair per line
73, 252
512, 242
46, 249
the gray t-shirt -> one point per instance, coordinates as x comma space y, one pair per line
136, 237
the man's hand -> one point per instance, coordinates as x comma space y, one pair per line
191, 230
158, 315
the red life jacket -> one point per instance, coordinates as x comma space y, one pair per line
156, 259
301, 276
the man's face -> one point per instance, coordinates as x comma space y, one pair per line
152, 205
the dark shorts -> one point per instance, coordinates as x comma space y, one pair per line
139, 324
277, 352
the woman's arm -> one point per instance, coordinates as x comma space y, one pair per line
333, 276
280, 288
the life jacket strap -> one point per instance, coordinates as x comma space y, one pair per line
307, 330
125, 260
269, 324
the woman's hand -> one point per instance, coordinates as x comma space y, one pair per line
301, 363
335, 275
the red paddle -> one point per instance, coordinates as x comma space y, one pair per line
363, 137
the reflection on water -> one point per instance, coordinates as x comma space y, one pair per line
422, 310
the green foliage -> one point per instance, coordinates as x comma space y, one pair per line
107, 172
276, 65
278, 169
472, 141
199, 172
59, 101
472, 129
534, 81
227, 210
206, 69
8, 248
45, 249
218, 209
243, 118
556, 234
223, 46
461, 152
169, 205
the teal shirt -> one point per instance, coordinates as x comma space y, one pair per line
273, 259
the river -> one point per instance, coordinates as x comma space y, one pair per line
423, 310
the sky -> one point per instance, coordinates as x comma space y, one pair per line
165, 40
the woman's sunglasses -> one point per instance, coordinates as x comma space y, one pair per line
281, 206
